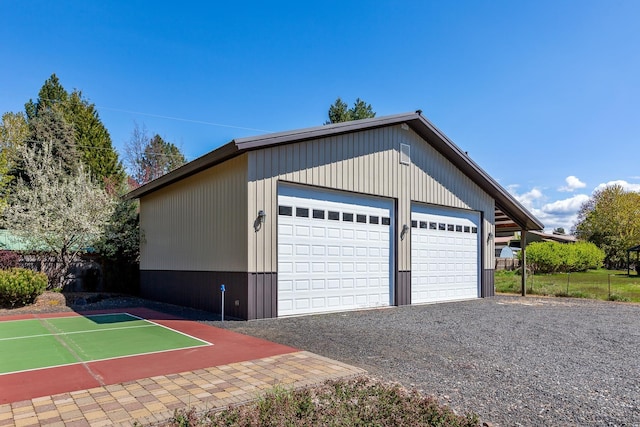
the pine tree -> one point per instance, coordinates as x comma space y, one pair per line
91, 141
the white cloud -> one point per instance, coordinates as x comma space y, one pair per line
527, 199
624, 184
564, 212
561, 213
566, 206
573, 183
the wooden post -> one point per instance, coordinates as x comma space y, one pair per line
523, 246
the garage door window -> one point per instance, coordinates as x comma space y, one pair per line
285, 210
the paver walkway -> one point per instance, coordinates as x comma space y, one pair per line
153, 400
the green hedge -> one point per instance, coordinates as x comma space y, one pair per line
553, 257
19, 286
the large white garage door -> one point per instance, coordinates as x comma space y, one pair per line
445, 255
334, 251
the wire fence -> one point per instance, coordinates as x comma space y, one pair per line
612, 286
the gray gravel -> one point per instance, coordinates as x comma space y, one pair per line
511, 360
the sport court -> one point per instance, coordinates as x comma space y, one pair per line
48, 342
48, 354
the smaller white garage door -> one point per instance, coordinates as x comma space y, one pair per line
334, 251
445, 255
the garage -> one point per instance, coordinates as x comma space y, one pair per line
334, 251
445, 254
344, 216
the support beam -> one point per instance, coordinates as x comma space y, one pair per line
523, 251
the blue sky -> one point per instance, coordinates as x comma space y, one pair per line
544, 95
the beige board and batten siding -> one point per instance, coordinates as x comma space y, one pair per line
366, 162
435, 180
197, 224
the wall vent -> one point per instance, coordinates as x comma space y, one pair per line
405, 154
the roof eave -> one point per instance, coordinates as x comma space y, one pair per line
212, 158
422, 126
504, 201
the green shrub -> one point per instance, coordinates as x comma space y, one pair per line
617, 297
19, 286
553, 257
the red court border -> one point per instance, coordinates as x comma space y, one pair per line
228, 347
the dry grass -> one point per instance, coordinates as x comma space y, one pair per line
362, 401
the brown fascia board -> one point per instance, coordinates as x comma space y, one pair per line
504, 201
212, 158
240, 145
423, 127
324, 131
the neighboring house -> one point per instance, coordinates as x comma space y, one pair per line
84, 274
509, 246
539, 236
369, 213
11, 242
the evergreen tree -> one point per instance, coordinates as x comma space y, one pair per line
50, 127
339, 112
91, 140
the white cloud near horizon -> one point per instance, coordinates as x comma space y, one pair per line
560, 213
573, 183
627, 186
564, 212
566, 206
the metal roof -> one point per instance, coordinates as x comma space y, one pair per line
510, 214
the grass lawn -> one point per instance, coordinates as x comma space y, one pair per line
597, 284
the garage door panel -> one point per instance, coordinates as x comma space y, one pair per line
349, 265
444, 254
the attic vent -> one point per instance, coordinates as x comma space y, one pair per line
405, 154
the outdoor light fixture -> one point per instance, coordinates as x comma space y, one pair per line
490, 237
257, 224
405, 230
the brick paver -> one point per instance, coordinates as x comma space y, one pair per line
153, 400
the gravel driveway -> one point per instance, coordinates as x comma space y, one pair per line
511, 360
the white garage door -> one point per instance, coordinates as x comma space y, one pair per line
334, 251
445, 253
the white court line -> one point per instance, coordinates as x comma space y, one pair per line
75, 332
171, 329
133, 316
105, 359
151, 323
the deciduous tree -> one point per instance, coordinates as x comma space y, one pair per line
150, 158
13, 133
611, 220
56, 213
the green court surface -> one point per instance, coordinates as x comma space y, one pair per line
42, 343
